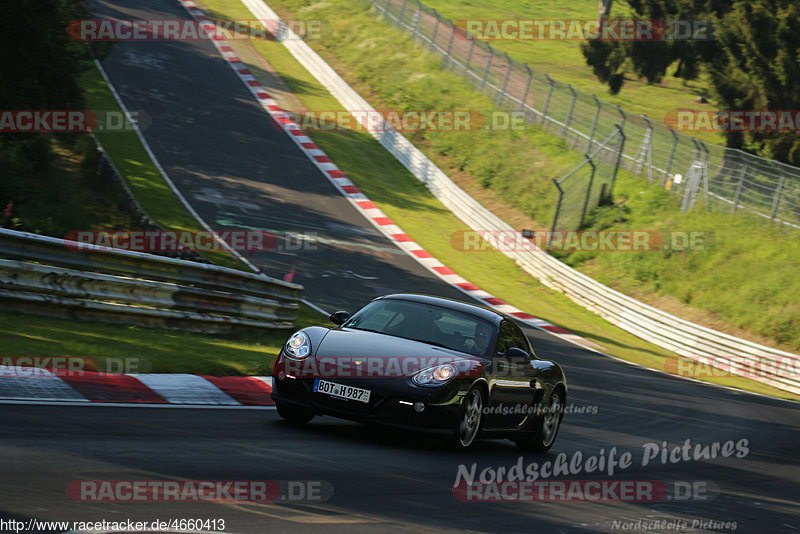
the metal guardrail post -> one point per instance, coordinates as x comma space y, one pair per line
565, 129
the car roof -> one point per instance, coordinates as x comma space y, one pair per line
472, 309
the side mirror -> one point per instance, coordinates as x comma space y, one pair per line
339, 317
515, 354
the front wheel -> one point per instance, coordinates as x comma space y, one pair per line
545, 435
469, 426
295, 415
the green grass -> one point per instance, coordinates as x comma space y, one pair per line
404, 75
140, 174
519, 165
564, 61
744, 273
45, 198
242, 353
245, 353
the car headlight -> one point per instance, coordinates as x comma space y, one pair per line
435, 376
298, 346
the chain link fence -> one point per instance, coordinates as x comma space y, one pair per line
585, 186
732, 180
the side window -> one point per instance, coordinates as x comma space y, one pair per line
511, 336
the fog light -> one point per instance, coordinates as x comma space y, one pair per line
419, 406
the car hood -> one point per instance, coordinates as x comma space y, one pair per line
361, 346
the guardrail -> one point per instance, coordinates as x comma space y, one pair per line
85, 281
744, 358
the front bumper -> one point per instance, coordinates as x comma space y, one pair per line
391, 402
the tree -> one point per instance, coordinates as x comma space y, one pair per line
759, 69
752, 57
40, 64
39, 68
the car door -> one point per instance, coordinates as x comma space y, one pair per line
510, 380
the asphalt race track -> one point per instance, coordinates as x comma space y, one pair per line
238, 170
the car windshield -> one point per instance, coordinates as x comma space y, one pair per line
423, 322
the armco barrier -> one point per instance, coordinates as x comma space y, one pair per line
658, 327
115, 285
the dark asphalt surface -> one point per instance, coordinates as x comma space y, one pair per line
215, 142
239, 171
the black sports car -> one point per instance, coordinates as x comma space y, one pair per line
423, 362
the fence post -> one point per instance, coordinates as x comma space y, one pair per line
671, 154
776, 202
555, 217
622, 139
505, 80
622, 114
704, 175
645, 153
588, 192
450, 44
549, 94
435, 29
692, 179
527, 87
565, 129
402, 12
488, 66
469, 54
417, 18
594, 123
738, 195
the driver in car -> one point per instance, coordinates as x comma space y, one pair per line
478, 343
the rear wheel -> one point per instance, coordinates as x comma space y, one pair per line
545, 435
295, 415
469, 426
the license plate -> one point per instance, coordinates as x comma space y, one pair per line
340, 390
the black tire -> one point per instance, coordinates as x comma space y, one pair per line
294, 415
468, 429
547, 428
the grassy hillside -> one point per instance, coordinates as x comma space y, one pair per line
414, 77
749, 258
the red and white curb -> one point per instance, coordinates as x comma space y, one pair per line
363, 204
44, 385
